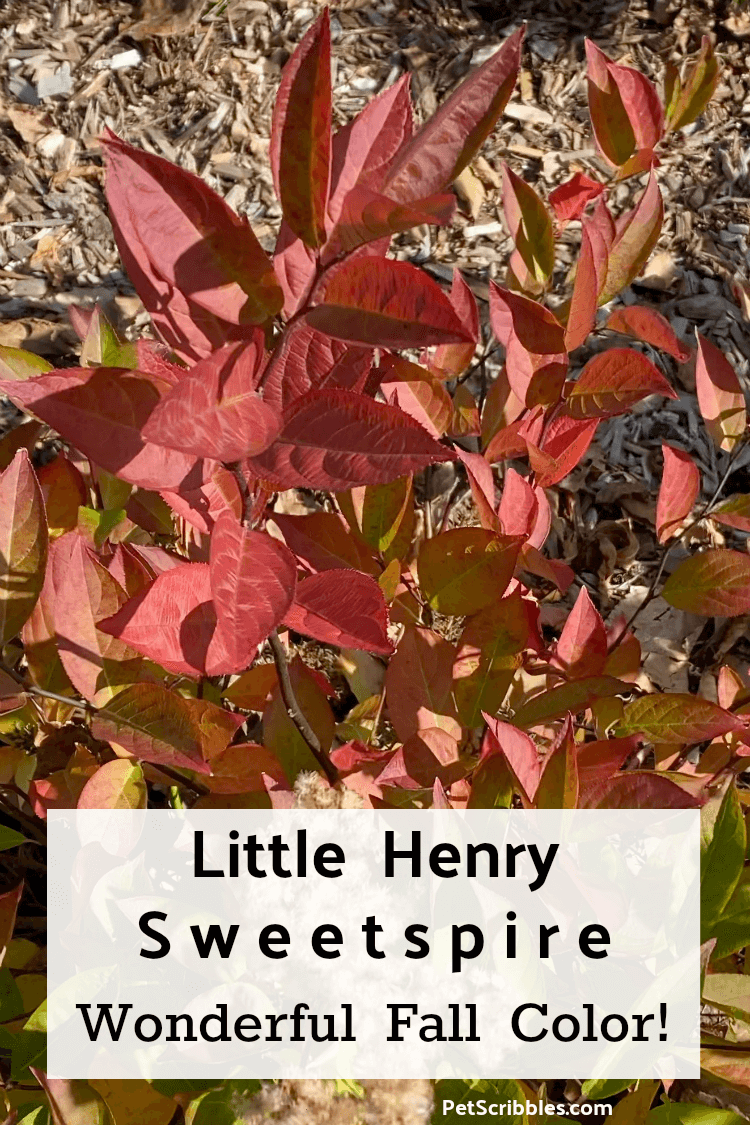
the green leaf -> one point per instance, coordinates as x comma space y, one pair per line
598, 1088
29, 1049
11, 1001
732, 929
9, 838
464, 570
349, 1088
573, 697
226, 1106
37, 1116
171, 1086
722, 856
730, 992
676, 719
683, 1113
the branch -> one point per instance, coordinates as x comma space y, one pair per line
294, 710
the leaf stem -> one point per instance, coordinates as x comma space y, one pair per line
294, 710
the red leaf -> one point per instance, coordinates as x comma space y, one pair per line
385, 303
253, 579
680, 485
308, 360
720, 396
450, 360
591, 272
626, 113
239, 768
612, 382
636, 789
650, 326
465, 569
444, 146
524, 509
636, 236
338, 439
482, 484
9, 902
598, 761
214, 411
322, 541
576, 696
172, 623
418, 393
82, 594
530, 227
564, 446
569, 200
419, 684
341, 607
208, 492
364, 149
367, 215
582, 648
196, 265
102, 412
300, 149
520, 752
715, 583
535, 327
158, 725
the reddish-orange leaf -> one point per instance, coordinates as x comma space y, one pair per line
612, 382
676, 719
367, 215
341, 607
239, 768
8, 909
530, 227
680, 485
450, 360
636, 235
590, 273
196, 265
536, 328
482, 484
576, 696
64, 490
215, 411
306, 360
465, 569
598, 761
338, 439
418, 393
444, 146
570, 199
714, 583
385, 303
636, 789
582, 648
720, 396
300, 149
488, 654
23, 544
253, 579
524, 509
565, 444
650, 326
626, 113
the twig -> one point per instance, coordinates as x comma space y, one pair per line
295, 712
245, 490
29, 822
175, 775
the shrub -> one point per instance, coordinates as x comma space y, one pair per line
151, 568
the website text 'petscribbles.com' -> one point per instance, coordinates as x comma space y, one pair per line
481, 1107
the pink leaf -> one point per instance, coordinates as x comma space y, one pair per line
341, 607
680, 485
519, 751
384, 303
215, 411
102, 412
196, 265
565, 445
308, 360
338, 439
582, 648
450, 360
524, 509
720, 396
419, 684
253, 579
301, 135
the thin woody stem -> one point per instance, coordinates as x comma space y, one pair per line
295, 711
